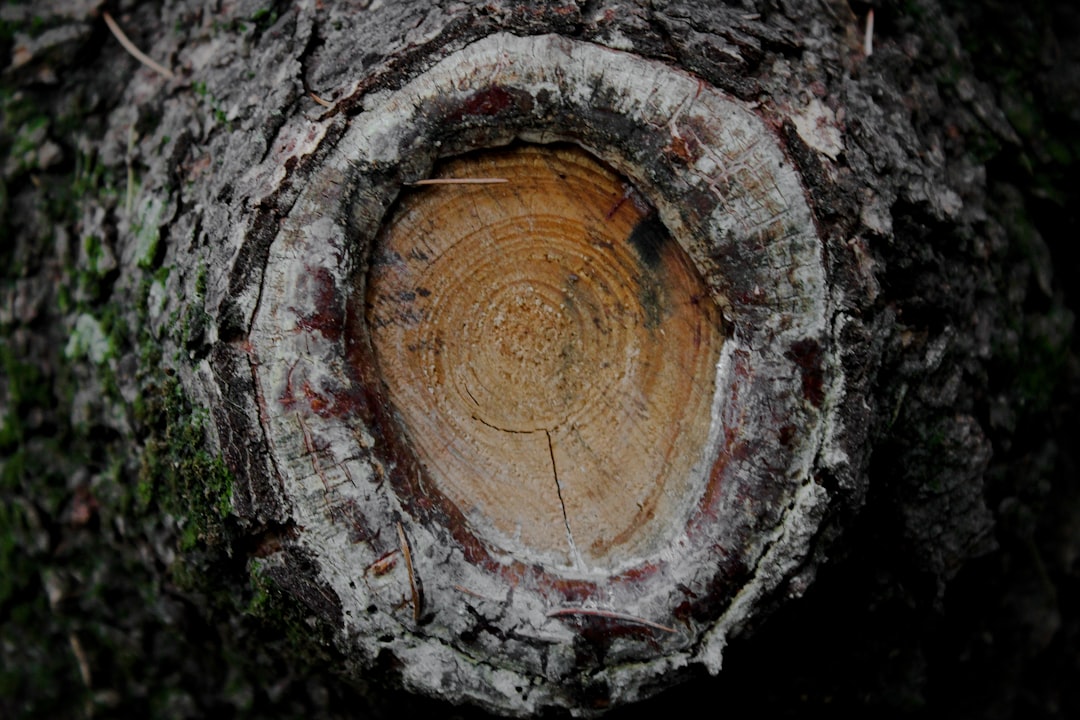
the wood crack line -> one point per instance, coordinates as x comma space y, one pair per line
574, 554
562, 503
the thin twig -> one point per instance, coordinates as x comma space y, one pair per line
135, 52
316, 98
459, 181
84, 672
868, 38
610, 615
80, 658
409, 567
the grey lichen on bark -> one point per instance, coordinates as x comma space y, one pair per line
776, 157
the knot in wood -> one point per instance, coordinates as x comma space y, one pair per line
585, 407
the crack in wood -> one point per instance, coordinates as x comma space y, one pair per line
574, 554
527, 431
558, 489
473, 398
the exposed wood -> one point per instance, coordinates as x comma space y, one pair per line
551, 352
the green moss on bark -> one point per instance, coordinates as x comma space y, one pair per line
176, 471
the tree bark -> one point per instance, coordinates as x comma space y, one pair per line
216, 495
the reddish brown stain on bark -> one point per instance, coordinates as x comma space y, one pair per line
330, 316
491, 102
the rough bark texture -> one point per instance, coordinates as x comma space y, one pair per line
919, 553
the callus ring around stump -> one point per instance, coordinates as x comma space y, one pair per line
589, 403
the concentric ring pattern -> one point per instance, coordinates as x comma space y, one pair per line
551, 352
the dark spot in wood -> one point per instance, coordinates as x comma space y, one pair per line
807, 355
684, 611
423, 292
648, 238
787, 433
484, 625
386, 662
651, 298
618, 204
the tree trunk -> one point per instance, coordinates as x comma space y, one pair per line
536, 358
